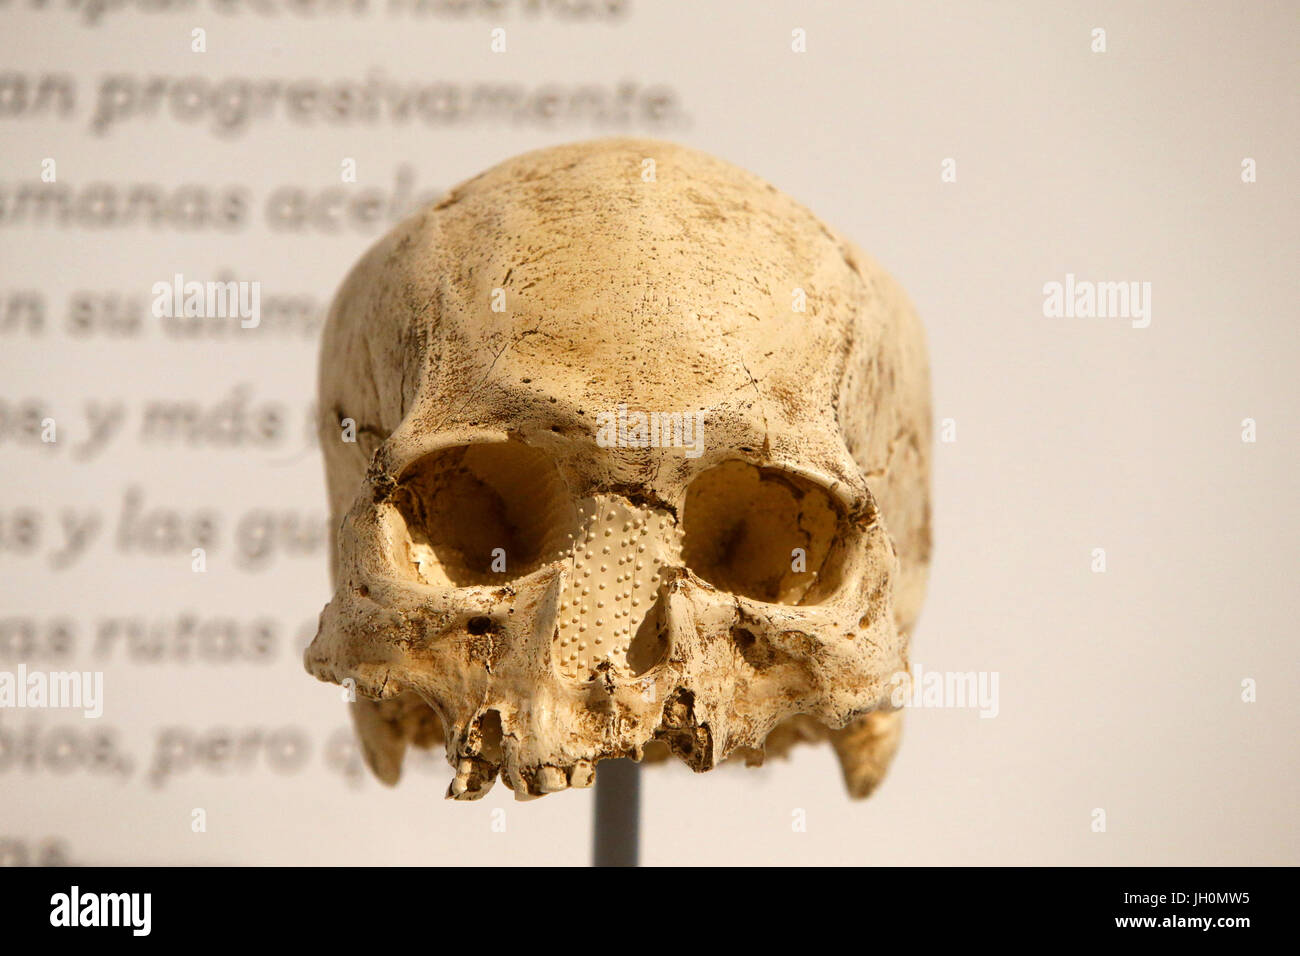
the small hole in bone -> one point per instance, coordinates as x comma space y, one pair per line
490, 734
481, 514
756, 653
762, 533
650, 643
479, 625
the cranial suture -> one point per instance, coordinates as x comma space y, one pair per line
536, 599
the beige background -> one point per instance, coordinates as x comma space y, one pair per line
1119, 691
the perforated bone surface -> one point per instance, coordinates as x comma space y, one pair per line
537, 601
612, 583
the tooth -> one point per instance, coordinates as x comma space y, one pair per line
550, 779
865, 747
582, 774
474, 778
382, 742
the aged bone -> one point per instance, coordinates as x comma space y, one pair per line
519, 578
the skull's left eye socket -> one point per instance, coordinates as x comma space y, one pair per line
763, 534
482, 514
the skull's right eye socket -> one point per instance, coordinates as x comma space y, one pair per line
481, 514
763, 533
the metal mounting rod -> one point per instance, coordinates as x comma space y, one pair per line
617, 823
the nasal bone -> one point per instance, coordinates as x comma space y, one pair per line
612, 576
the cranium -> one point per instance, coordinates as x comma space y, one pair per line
540, 599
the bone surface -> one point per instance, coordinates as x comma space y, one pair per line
628, 455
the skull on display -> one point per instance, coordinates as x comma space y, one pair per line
640, 465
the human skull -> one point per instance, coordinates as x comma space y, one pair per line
527, 569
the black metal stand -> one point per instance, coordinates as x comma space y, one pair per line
616, 830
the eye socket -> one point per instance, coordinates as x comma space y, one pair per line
481, 514
742, 525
